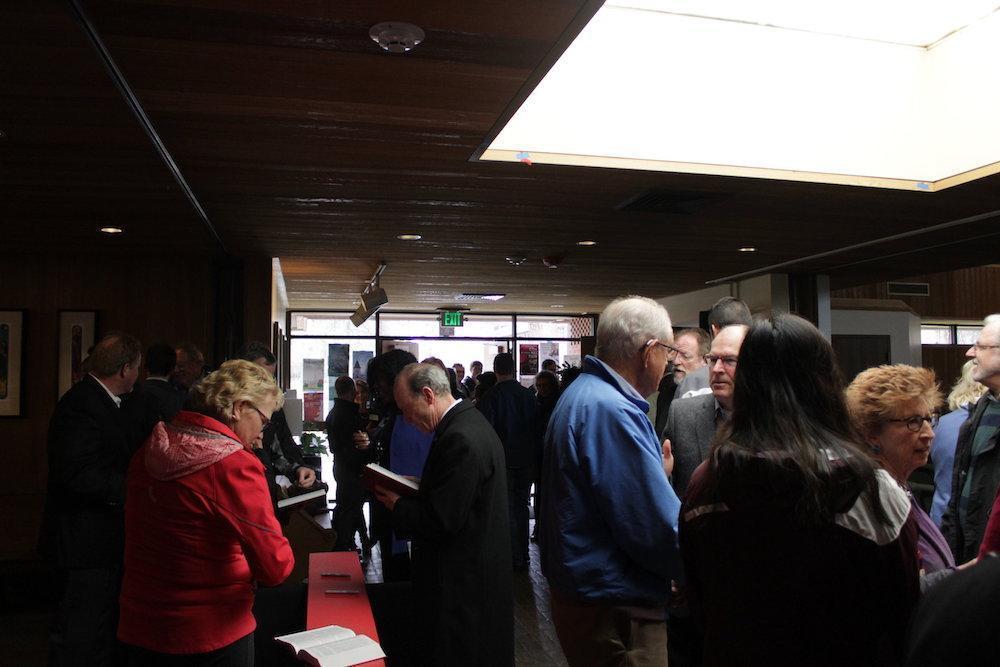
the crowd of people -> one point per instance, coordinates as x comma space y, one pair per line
704, 497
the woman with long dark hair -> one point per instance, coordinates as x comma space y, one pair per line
798, 549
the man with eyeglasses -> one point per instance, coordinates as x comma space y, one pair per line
609, 517
976, 475
727, 311
690, 429
692, 422
690, 372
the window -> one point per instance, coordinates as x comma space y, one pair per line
316, 363
410, 325
329, 324
965, 335
936, 334
540, 326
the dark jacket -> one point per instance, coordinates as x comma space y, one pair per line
965, 536
462, 575
768, 588
513, 412
341, 424
285, 455
955, 624
151, 402
88, 455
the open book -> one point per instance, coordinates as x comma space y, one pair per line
332, 646
305, 497
373, 474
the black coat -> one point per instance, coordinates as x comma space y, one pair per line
88, 455
462, 579
151, 402
341, 424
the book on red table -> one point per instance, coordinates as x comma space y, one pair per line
332, 646
373, 474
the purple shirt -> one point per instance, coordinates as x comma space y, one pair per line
933, 553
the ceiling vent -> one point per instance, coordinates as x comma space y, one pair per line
670, 201
909, 289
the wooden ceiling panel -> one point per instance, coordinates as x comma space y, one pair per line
304, 141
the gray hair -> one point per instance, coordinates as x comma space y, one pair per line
627, 323
418, 376
991, 319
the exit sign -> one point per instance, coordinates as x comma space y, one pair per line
451, 318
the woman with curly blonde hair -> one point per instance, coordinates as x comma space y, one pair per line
961, 400
200, 531
894, 409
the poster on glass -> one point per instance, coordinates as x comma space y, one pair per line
529, 358
338, 360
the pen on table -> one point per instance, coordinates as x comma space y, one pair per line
335, 574
348, 591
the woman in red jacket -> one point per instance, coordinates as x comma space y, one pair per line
200, 531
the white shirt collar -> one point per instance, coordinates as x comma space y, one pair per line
161, 378
449, 408
118, 401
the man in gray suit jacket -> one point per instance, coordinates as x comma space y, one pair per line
692, 422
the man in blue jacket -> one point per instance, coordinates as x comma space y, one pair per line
609, 515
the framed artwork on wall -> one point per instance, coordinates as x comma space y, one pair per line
77, 329
11, 362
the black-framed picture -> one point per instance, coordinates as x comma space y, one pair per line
11, 362
77, 329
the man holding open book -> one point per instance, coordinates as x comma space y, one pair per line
462, 579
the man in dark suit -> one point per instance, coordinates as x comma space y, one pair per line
279, 454
462, 581
512, 411
156, 398
343, 426
88, 454
692, 421
690, 429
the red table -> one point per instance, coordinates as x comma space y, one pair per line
352, 611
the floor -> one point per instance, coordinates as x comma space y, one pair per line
535, 642
23, 634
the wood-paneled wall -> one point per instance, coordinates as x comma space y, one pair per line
946, 361
154, 298
966, 294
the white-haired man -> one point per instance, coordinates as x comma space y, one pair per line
976, 475
462, 578
609, 515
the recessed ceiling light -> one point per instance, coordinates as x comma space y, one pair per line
111, 230
409, 237
748, 248
586, 243
557, 305
516, 261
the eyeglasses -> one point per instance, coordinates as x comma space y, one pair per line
728, 362
977, 346
916, 422
264, 421
653, 341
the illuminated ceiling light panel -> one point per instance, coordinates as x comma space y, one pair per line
883, 94
909, 22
